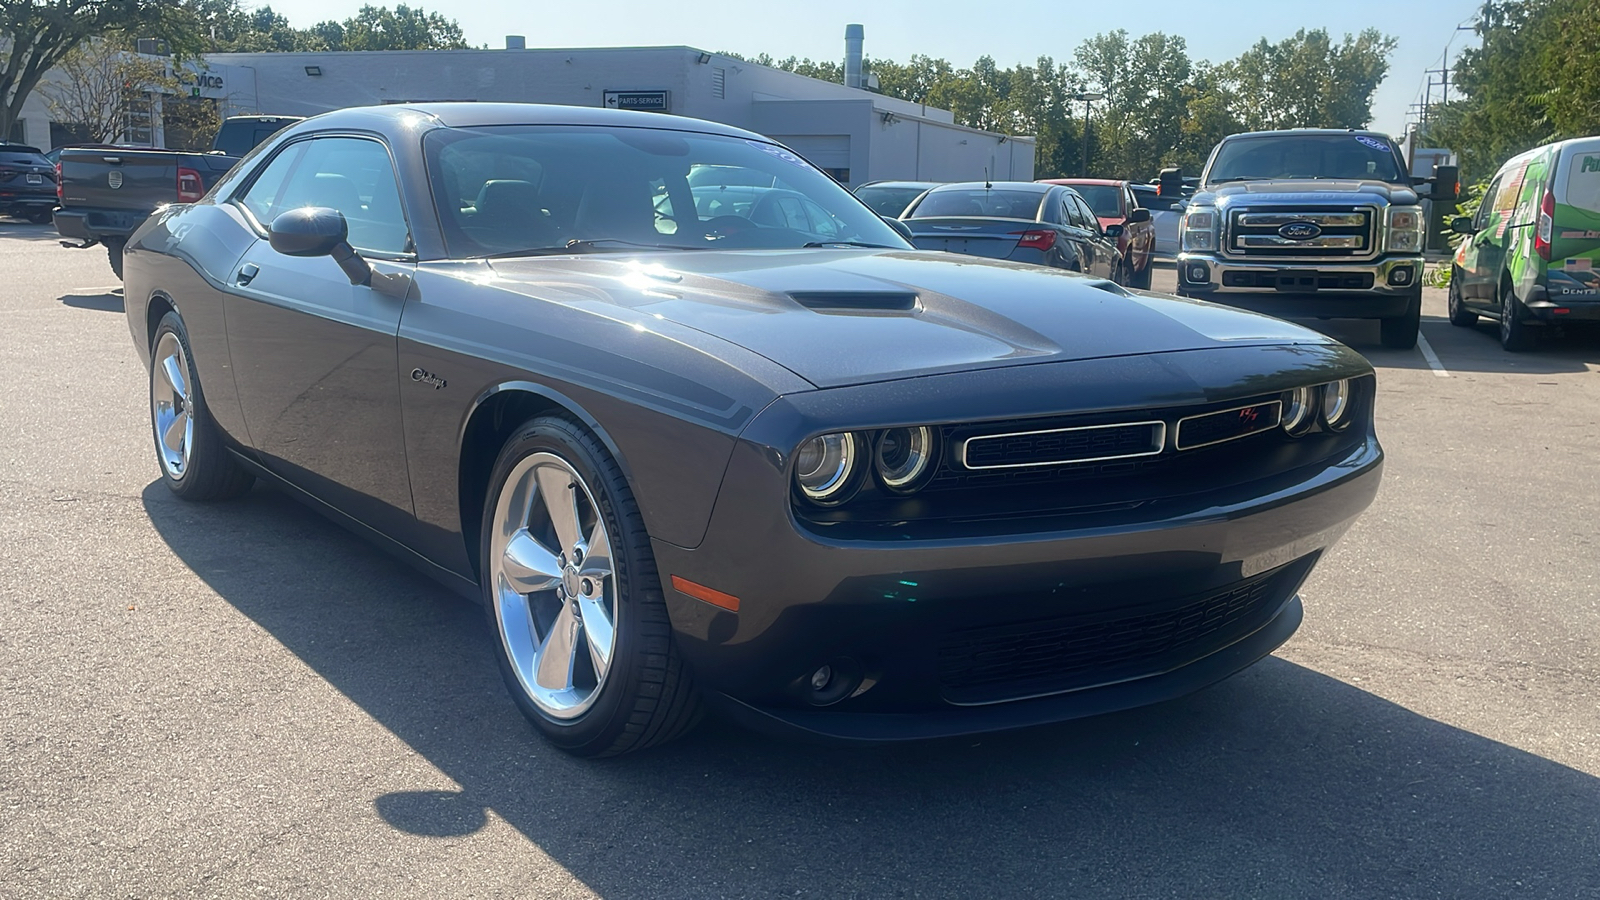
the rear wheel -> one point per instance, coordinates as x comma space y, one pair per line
195, 463
583, 641
1515, 333
1400, 332
1460, 315
41, 218
114, 253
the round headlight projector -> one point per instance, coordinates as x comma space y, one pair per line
1299, 411
903, 456
823, 466
1336, 404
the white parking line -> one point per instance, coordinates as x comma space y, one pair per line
1431, 357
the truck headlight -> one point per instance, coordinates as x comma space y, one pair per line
1405, 229
1199, 230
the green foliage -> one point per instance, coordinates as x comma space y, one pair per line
1159, 107
228, 26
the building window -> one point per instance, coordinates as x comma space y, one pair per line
138, 123
840, 175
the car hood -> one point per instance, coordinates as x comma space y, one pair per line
842, 317
1303, 190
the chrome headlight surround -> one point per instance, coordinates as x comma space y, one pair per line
903, 457
825, 467
1300, 410
1198, 230
1404, 229
1336, 404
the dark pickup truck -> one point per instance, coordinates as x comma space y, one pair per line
105, 194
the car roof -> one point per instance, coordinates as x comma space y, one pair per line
1069, 182
1306, 131
473, 115
1032, 187
8, 147
923, 185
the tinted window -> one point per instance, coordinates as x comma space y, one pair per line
512, 189
993, 204
22, 156
1290, 155
888, 201
1152, 200
1089, 221
1486, 204
1104, 199
351, 175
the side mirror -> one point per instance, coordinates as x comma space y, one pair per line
1139, 214
900, 227
318, 231
1113, 231
1446, 184
1171, 182
1462, 225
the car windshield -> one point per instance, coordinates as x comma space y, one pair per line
980, 203
888, 201
510, 190
1288, 155
1104, 199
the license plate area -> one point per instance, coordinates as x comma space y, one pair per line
1296, 281
35, 179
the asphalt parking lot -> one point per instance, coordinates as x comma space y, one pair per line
243, 699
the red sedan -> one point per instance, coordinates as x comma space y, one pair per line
1113, 204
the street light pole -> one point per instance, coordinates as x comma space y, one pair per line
1087, 97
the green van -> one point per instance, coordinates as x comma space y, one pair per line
1532, 253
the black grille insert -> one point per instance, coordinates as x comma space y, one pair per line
991, 665
1059, 446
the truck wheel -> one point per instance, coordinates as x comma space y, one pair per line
1141, 278
1400, 332
41, 218
1515, 334
114, 253
1460, 316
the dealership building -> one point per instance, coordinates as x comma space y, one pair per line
853, 133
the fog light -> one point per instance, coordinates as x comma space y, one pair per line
1197, 273
821, 677
1400, 277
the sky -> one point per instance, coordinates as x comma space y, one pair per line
1012, 32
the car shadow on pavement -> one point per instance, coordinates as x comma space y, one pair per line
18, 229
1280, 782
1570, 349
107, 301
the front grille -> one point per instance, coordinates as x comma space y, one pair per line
1343, 232
1061, 446
1295, 280
990, 665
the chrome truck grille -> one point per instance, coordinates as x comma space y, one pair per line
1317, 232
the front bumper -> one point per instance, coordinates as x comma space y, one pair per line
1327, 287
920, 624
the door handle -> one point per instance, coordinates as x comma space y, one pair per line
247, 274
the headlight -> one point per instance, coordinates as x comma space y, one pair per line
1405, 229
1299, 411
1336, 404
903, 456
1199, 229
824, 466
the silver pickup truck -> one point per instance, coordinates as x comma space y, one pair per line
1311, 222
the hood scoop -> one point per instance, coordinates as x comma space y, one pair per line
856, 301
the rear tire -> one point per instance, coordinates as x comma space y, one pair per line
1400, 332
41, 218
1460, 315
114, 253
582, 636
1515, 334
194, 459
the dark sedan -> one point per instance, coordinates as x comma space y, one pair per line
1020, 221
890, 198
828, 486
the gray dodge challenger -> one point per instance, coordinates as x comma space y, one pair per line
701, 431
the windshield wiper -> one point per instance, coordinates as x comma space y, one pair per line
1241, 178
813, 244
595, 245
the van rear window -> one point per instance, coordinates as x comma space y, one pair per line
1583, 182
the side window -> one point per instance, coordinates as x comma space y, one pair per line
792, 214
262, 197
1069, 212
351, 175
1532, 194
1486, 204
1089, 221
821, 223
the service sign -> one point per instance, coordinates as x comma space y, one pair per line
644, 101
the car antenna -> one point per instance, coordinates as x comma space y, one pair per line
987, 185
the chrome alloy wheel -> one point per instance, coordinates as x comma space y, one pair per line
171, 406
554, 594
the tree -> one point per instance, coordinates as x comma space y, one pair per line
99, 85
1307, 81
404, 28
38, 35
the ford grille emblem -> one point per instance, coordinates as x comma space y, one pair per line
1299, 231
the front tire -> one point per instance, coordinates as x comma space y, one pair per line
195, 463
1400, 332
573, 597
1141, 279
1460, 315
